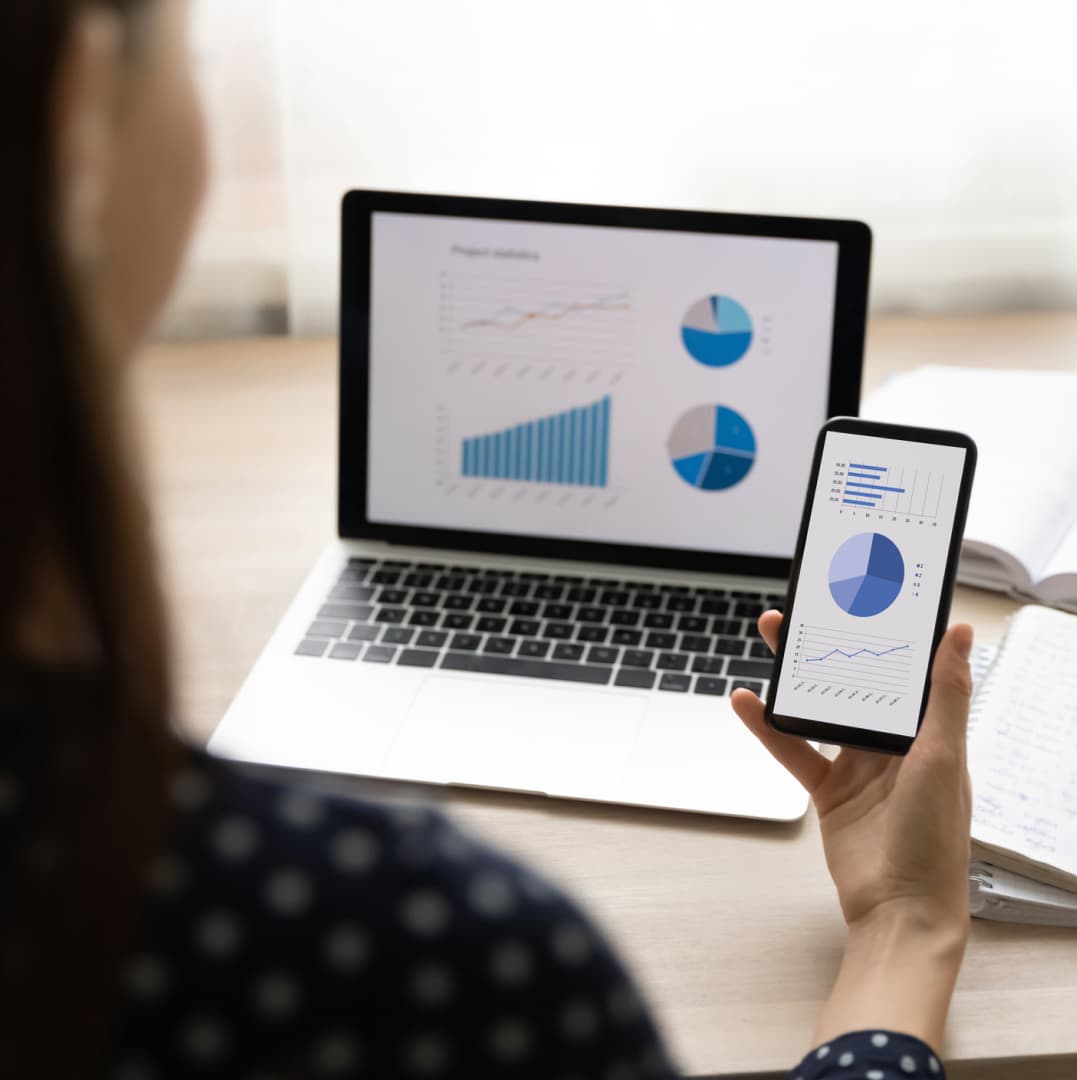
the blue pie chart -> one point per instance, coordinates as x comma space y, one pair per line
712, 447
866, 574
717, 331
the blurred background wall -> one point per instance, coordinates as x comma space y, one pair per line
948, 126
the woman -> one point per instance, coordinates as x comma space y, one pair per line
167, 915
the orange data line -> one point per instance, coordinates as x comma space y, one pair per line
528, 316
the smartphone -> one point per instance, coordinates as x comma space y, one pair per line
871, 584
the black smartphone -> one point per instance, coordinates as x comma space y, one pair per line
871, 584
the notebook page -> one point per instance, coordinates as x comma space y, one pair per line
1023, 744
1023, 500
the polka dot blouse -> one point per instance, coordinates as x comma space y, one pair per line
296, 935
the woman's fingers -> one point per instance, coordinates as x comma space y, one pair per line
806, 764
947, 715
770, 623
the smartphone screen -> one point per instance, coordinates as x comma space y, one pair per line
872, 585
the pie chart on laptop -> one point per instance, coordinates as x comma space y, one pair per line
712, 447
866, 574
717, 331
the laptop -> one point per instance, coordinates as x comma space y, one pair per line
574, 447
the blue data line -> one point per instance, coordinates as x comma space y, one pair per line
851, 655
869, 468
858, 502
875, 487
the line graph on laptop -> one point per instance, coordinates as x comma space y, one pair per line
828, 660
541, 328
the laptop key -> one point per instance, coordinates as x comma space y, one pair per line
379, 654
613, 598
358, 612
457, 620
621, 636
391, 596
423, 617
312, 647
677, 683
760, 650
558, 631
742, 684
491, 624
483, 586
708, 665
327, 628
567, 651
491, 605
450, 583
386, 577
560, 612
502, 646
549, 592
636, 678
397, 635
458, 602
417, 658
432, 639
637, 658
657, 620
625, 617
581, 596
695, 643
692, 624
364, 632
755, 669
345, 650
516, 589
705, 684
728, 627
396, 564
591, 633
659, 640
354, 594
527, 608
669, 661
647, 601
417, 581
714, 607
601, 654
533, 647
425, 599
390, 615
524, 627
729, 646
686, 604
748, 610
591, 614
465, 642
532, 669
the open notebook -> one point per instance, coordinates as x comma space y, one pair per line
1023, 762
1021, 535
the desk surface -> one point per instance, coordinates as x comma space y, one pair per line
731, 926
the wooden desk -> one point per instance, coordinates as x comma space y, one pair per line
731, 926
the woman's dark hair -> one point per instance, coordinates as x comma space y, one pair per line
85, 748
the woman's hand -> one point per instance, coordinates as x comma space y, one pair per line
896, 837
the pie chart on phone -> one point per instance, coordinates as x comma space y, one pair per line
866, 574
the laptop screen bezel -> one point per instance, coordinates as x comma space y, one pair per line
846, 361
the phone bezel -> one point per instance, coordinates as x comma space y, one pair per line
840, 734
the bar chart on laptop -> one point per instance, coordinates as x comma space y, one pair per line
876, 487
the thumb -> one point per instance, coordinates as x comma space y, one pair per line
947, 713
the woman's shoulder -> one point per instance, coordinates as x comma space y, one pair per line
328, 928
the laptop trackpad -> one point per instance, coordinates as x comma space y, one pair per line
508, 735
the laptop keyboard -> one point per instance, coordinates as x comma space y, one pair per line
602, 631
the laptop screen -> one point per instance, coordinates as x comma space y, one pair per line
607, 384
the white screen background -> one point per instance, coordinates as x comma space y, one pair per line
448, 362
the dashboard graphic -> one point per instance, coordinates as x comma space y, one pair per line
852, 660
866, 574
717, 331
571, 447
712, 447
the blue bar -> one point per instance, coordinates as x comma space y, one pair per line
865, 476
875, 487
581, 443
484, 456
529, 432
863, 494
586, 439
540, 451
870, 468
559, 436
517, 453
857, 502
506, 454
604, 449
573, 447
551, 450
